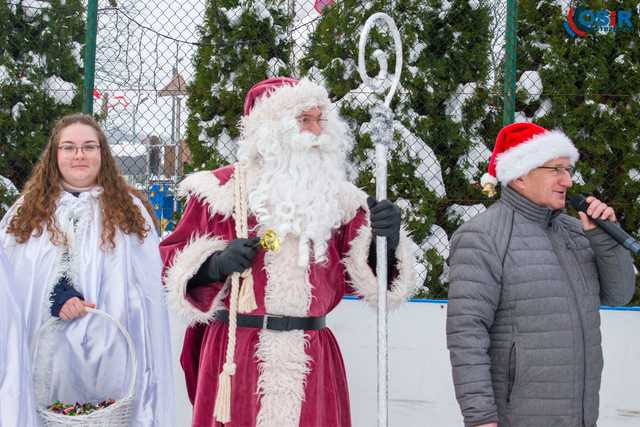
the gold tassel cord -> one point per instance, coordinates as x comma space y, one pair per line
242, 299
247, 296
222, 407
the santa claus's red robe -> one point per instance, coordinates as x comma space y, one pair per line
282, 379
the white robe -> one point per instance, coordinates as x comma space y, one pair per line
88, 359
17, 408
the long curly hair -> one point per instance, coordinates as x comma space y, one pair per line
43, 189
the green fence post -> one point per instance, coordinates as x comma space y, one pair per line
90, 56
511, 39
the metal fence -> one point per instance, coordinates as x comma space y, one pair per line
147, 56
170, 77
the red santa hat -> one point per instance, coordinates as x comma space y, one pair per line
522, 147
281, 97
265, 88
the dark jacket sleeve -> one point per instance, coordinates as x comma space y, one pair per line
615, 268
474, 294
62, 292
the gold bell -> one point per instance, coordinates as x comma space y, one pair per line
489, 189
270, 241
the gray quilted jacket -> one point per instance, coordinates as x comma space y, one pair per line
523, 322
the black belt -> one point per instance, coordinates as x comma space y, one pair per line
274, 322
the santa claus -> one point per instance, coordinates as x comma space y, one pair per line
257, 352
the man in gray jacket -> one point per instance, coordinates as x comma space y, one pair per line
526, 284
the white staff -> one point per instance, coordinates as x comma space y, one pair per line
382, 135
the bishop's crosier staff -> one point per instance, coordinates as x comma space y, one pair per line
382, 135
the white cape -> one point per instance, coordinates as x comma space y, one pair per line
17, 407
87, 359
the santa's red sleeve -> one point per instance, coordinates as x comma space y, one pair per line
183, 252
356, 242
205, 228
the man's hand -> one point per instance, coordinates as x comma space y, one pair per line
237, 256
489, 425
74, 308
596, 210
385, 220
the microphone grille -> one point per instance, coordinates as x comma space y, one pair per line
578, 202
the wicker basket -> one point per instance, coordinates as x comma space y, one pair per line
117, 414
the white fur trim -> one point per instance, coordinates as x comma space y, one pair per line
186, 264
205, 186
286, 101
487, 178
363, 278
350, 199
282, 361
520, 160
283, 365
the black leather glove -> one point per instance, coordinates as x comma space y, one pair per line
235, 258
385, 221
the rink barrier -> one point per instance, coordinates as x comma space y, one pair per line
444, 301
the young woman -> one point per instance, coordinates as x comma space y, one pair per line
80, 237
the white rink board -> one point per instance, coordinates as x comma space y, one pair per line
421, 392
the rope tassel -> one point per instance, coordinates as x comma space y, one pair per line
247, 298
222, 406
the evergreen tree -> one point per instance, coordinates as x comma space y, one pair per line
40, 77
242, 42
588, 87
441, 109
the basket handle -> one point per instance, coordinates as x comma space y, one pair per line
132, 351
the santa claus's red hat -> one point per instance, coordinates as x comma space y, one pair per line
265, 88
281, 97
522, 147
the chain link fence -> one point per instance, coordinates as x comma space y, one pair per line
170, 81
170, 78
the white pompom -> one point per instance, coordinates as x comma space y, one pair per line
488, 179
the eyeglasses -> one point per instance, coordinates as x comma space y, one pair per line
559, 170
307, 120
86, 149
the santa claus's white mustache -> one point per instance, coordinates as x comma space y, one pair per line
306, 140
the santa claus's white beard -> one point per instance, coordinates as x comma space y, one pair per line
297, 191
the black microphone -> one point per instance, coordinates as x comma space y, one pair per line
611, 228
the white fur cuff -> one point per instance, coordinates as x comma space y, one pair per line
363, 278
205, 187
186, 264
